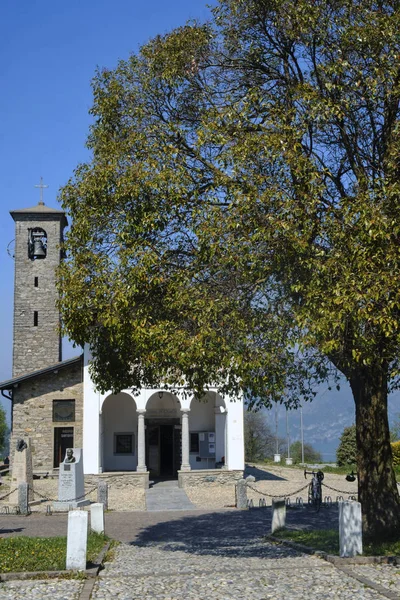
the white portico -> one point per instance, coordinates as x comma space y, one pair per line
159, 432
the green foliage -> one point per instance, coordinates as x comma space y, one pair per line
42, 554
310, 454
346, 453
259, 441
396, 453
239, 220
4, 430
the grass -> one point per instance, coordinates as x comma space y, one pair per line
327, 540
42, 554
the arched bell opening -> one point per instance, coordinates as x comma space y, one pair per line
37, 243
119, 425
163, 435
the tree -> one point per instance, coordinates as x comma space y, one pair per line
346, 453
3, 429
310, 454
239, 221
259, 441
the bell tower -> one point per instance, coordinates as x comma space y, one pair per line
36, 339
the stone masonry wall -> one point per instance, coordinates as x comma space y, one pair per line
33, 412
207, 477
36, 346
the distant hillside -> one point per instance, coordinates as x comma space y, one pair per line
325, 418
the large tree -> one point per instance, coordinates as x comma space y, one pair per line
259, 440
239, 220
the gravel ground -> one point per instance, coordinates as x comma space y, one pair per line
271, 481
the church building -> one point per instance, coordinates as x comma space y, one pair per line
155, 434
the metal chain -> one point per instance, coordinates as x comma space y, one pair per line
57, 500
9, 494
340, 491
274, 495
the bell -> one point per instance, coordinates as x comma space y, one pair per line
39, 250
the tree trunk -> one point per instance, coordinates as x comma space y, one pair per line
377, 487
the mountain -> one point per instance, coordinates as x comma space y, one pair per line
325, 418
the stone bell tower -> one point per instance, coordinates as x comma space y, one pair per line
37, 339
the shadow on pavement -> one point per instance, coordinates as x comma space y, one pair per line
262, 475
230, 533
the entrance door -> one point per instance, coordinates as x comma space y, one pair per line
63, 439
163, 448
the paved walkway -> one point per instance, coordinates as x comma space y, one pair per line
166, 495
205, 556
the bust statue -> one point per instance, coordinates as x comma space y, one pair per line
21, 445
69, 457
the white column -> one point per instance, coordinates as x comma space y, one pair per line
185, 466
101, 445
220, 418
141, 466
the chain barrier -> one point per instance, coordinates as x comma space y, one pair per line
47, 499
339, 491
9, 494
297, 491
275, 495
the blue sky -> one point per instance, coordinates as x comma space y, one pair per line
49, 52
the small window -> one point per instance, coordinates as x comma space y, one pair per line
194, 442
35, 318
124, 443
63, 410
36, 281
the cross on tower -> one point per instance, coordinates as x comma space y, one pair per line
41, 185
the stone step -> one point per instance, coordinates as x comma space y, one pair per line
169, 497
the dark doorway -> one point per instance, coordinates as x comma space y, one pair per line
163, 448
63, 439
166, 450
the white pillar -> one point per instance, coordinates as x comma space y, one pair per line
101, 445
185, 466
220, 418
77, 540
141, 466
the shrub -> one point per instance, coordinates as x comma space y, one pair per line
396, 453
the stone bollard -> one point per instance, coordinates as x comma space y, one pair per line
77, 540
97, 517
278, 515
241, 494
23, 496
350, 528
102, 494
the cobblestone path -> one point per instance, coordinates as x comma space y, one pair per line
212, 556
262, 571
223, 556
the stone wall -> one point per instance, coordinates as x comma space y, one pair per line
33, 412
120, 480
207, 477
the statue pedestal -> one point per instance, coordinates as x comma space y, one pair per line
21, 471
71, 484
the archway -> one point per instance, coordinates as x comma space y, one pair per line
118, 444
207, 431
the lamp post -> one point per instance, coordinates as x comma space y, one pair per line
289, 461
277, 456
302, 435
